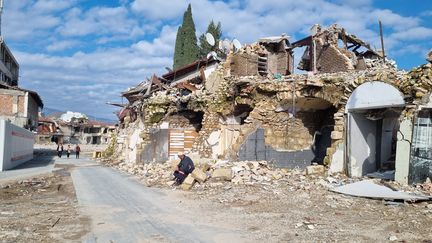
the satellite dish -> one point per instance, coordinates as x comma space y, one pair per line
212, 54
210, 39
237, 45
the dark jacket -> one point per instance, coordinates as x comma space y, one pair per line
186, 165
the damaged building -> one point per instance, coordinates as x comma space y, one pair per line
18, 105
353, 111
74, 128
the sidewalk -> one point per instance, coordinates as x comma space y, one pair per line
44, 162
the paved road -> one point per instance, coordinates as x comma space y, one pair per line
123, 210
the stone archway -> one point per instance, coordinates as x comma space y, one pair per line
372, 113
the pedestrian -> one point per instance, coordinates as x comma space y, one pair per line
68, 151
59, 150
77, 151
184, 168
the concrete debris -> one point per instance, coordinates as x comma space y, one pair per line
222, 174
419, 81
188, 183
243, 173
393, 238
199, 175
315, 169
426, 187
369, 189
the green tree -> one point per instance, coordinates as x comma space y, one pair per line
186, 48
216, 31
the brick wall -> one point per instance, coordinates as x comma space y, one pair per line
330, 59
6, 102
21, 105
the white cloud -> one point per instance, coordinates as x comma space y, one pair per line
20, 22
416, 33
61, 45
99, 21
50, 6
159, 9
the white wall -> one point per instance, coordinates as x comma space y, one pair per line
16, 145
361, 145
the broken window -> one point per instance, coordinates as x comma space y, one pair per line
421, 161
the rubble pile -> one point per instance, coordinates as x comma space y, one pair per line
426, 187
419, 82
238, 173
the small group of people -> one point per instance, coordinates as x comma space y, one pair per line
68, 150
184, 168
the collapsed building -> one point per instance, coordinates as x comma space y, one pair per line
353, 111
74, 128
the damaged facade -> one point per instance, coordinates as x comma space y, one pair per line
353, 111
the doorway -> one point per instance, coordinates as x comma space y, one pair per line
372, 113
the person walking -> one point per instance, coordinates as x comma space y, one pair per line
77, 151
59, 150
68, 151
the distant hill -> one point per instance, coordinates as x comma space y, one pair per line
50, 112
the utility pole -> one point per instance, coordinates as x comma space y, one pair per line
382, 39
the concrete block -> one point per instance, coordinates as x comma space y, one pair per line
188, 183
189, 180
199, 175
315, 169
222, 174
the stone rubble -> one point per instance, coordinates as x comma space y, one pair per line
224, 175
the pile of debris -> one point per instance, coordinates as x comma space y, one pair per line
419, 82
239, 173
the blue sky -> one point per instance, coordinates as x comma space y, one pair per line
79, 54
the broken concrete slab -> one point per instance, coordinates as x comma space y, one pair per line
222, 174
369, 189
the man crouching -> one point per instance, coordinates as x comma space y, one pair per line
184, 168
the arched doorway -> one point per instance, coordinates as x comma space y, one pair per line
372, 113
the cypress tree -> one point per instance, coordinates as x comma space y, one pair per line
186, 48
216, 31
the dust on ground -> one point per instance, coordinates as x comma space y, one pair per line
293, 208
41, 209
296, 211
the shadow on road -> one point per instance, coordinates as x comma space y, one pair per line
42, 158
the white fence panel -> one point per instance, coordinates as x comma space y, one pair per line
16, 145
